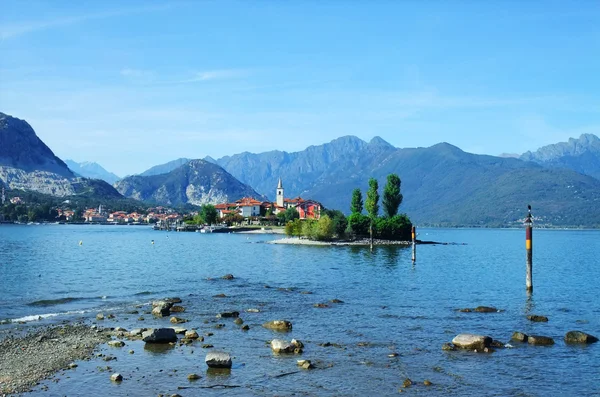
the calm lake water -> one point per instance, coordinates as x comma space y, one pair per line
389, 306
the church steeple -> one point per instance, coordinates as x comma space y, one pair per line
280, 193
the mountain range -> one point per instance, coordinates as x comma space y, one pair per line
442, 185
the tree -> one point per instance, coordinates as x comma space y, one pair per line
209, 214
372, 202
356, 206
392, 198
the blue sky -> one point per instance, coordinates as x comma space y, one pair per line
131, 84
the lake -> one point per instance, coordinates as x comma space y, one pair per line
390, 305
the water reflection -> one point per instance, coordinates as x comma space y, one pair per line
218, 373
158, 348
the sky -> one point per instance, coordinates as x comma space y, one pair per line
132, 84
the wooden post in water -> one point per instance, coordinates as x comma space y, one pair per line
414, 244
529, 248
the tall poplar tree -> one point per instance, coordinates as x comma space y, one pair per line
356, 206
392, 198
372, 202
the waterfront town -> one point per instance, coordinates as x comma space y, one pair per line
246, 210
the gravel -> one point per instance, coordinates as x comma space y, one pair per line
26, 360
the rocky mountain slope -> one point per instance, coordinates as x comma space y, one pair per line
581, 155
195, 182
92, 170
26, 163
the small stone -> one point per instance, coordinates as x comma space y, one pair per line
519, 337
228, 277
538, 340
448, 347
252, 310
72, 365
228, 314
116, 343
161, 311
131, 352
246, 328
407, 383
177, 309
111, 316
321, 305
336, 301
207, 346
220, 296
218, 359
465, 310
485, 309
238, 321
281, 346
537, 319
99, 316
177, 320
471, 341
279, 325
116, 377
192, 334
427, 382
193, 377
580, 337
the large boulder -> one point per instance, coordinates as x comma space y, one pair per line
159, 335
218, 359
278, 325
579, 337
472, 341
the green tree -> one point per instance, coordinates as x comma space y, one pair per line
392, 198
323, 229
356, 206
340, 223
209, 214
372, 202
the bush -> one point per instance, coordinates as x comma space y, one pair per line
397, 227
323, 229
358, 225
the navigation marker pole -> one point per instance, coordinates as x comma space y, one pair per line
529, 248
414, 244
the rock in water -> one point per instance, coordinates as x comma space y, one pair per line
116, 377
161, 311
485, 309
191, 335
579, 337
537, 319
281, 346
279, 325
519, 337
160, 335
218, 359
538, 340
471, 341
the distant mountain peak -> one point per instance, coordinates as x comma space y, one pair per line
90, 169
379, 141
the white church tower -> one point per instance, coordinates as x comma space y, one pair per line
280, 194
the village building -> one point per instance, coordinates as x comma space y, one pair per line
250, 207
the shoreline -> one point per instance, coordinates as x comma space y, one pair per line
39, 353
341, 243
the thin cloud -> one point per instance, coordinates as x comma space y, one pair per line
222, 74
10, 31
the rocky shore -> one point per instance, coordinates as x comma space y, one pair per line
26, 360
